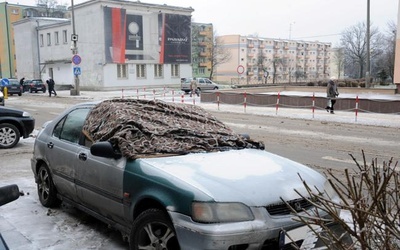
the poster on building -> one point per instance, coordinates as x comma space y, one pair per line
131, 36
115, 34
175, 39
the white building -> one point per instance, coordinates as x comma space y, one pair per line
121, 44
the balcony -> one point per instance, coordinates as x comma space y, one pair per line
286, 47
203, 64
250, 64
277, 47
250, 54
250, 73
203, 33
203, 54
262, 46
204, 44
250, 45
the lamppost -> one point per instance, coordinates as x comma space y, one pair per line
74, 48
368, 65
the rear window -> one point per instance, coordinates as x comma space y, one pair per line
37, 81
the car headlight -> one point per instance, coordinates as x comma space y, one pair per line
214, 212
26, 114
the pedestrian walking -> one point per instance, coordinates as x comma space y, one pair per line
331, 93
21, 82
50, 84
193, 87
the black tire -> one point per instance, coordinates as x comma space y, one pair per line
46, 190
44, 91
30, 90
19, 94
156, 223
35, 91
9, 135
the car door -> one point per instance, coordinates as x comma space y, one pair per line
99, 183
209, 84
201, 84
62, 151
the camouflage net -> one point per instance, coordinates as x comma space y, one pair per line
141, 128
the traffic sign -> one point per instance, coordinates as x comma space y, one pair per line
240, 69
77, 71
4, 82
76, 59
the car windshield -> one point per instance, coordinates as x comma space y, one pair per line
140, 128
37, 81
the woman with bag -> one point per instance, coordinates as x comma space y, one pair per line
331, 92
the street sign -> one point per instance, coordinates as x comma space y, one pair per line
74, 37
240, 69
77, 71
76, 59
4, 82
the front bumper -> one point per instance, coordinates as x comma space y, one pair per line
256, 234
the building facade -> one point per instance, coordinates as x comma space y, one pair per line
267, 60
10, 13
202, 49
121, 44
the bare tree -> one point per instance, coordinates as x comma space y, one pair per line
385, 61
338, 60
353, 40
219, 54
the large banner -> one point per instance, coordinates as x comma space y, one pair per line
126, 39
176, 39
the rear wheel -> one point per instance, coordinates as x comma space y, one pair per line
30, 90
153, 230
46, 190
9, 135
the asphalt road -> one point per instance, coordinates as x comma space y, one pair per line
319, 144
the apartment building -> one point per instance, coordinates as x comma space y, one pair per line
10, 13
268, 60
202, 49
121, 44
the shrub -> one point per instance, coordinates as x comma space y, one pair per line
371, 194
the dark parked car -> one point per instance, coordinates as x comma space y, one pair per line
34, 85
167, 180
13, 88
14, 123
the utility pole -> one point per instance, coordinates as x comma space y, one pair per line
76, 58
367, 36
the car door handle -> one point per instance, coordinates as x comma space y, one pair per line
82, 157
50, 145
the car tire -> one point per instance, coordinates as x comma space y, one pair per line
152, 229
30, 90
44, 91
19, 94
9, 135
46, 190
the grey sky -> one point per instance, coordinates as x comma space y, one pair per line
321, 20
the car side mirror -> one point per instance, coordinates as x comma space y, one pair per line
8, 194
104, 149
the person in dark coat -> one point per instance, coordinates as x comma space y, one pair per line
50, 84
331, 93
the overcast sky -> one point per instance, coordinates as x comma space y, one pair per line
312, 20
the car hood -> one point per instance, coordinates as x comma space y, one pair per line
4, 111
254, 177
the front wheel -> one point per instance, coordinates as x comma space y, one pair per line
153, 230
46, 190
9, 135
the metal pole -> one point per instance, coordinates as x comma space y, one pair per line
367, 36
74, 48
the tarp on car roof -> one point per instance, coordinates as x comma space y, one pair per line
143, 128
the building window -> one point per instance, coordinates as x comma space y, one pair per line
48, 39
121, 70
202, 71
65, 39
158, 70
41, 42
141, 70
56, 39
175, 70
